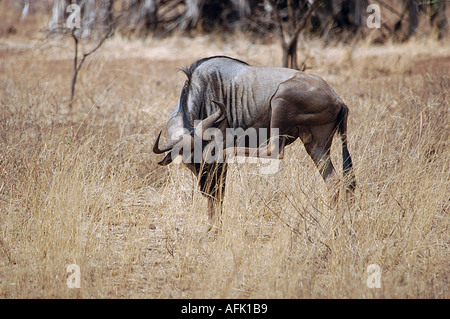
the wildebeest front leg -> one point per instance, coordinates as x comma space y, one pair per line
212, 185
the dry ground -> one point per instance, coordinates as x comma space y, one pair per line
83, 187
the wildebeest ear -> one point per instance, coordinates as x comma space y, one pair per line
166, 160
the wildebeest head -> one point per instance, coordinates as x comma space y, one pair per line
186, 137
195, 113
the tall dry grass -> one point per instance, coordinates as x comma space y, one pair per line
84, 188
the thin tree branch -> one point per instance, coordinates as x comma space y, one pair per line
389, 8
77, 66
304, 21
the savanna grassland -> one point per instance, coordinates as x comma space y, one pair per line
81, 186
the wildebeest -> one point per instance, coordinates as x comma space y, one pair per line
224, 93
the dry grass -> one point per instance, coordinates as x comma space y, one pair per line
83, 187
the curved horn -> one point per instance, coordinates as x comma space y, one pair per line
166, 147
210, 120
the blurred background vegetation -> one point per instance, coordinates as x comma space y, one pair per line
338, 20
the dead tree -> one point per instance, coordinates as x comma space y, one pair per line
58, 10
141, 17
289, 34
78, 65
26, 8
439, 18
242, 7
191, 15
149, 13
413, 21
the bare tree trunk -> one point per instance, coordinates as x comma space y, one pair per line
192, 14
441, 19
90, 13
290, 60
57, 14
289, 46
26, 7
413, 21
144, 16
242, 6
360, 8
150, 11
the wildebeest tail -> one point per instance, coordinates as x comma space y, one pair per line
349, 175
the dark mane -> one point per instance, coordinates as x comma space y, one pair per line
189, 71
185, 91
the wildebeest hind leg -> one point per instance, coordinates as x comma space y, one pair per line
318, 146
